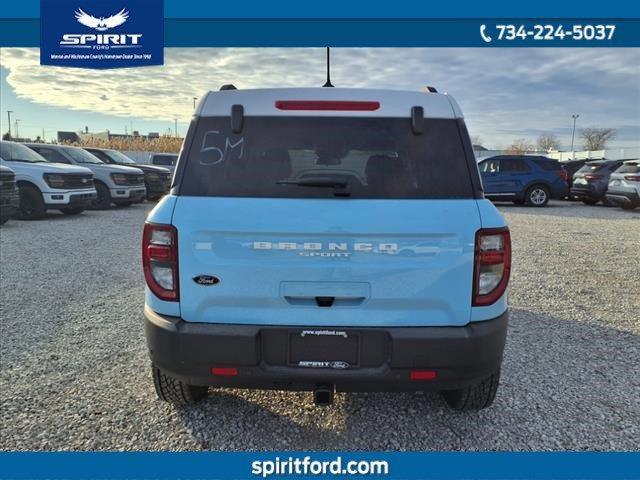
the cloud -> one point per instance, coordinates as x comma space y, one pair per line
505, 93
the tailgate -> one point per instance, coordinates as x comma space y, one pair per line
326, 261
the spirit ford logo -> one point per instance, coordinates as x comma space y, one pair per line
101, 40
329, 249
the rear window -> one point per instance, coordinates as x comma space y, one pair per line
629, 168
321, 157
591, 167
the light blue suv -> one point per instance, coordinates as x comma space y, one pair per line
327, 239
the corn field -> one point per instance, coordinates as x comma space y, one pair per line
160, 145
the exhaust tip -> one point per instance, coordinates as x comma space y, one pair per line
323, 395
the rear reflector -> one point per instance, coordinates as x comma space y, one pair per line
225, 371
327, 105
423, 375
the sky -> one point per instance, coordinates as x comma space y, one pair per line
505, 93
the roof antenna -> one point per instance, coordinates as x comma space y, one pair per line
328, 82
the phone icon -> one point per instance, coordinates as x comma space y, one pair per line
484, 36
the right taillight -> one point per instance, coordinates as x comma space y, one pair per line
492, 265
632, 178
160, 260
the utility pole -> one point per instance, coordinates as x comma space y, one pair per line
9, 112
176, 126
17, 131
573, 134
194, 102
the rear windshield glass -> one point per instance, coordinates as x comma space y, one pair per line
629, 168
311, 157
591, 167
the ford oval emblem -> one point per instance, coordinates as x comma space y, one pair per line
206, 280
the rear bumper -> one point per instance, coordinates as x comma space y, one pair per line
586, 191
558, 192
619, 197
385, 356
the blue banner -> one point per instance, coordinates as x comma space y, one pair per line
286, 465
254, 9
366, 33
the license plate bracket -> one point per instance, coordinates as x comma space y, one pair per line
324, 348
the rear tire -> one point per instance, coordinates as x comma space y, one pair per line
474, 397
32, 205
174, 391
589, 201
629, 206
103, 201
72, 210
537, 196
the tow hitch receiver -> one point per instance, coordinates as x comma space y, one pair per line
323, 395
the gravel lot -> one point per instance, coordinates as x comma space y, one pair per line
75, 376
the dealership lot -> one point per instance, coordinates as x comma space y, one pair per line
74, 370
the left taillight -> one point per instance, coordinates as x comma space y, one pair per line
160, 260
492, 265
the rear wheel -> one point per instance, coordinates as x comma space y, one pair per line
474, 397
537, 196
32, 205
72, 210
629, 206
175, 391
103, 200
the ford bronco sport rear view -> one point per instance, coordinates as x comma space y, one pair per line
327, 240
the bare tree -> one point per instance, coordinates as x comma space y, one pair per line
548, 142
519, 146
597, 138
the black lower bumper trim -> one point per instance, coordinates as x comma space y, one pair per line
385, 356
623, 198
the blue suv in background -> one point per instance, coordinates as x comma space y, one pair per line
529, 179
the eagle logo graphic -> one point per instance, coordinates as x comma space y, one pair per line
101, 24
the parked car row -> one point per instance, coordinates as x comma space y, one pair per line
39, 177
534, 180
